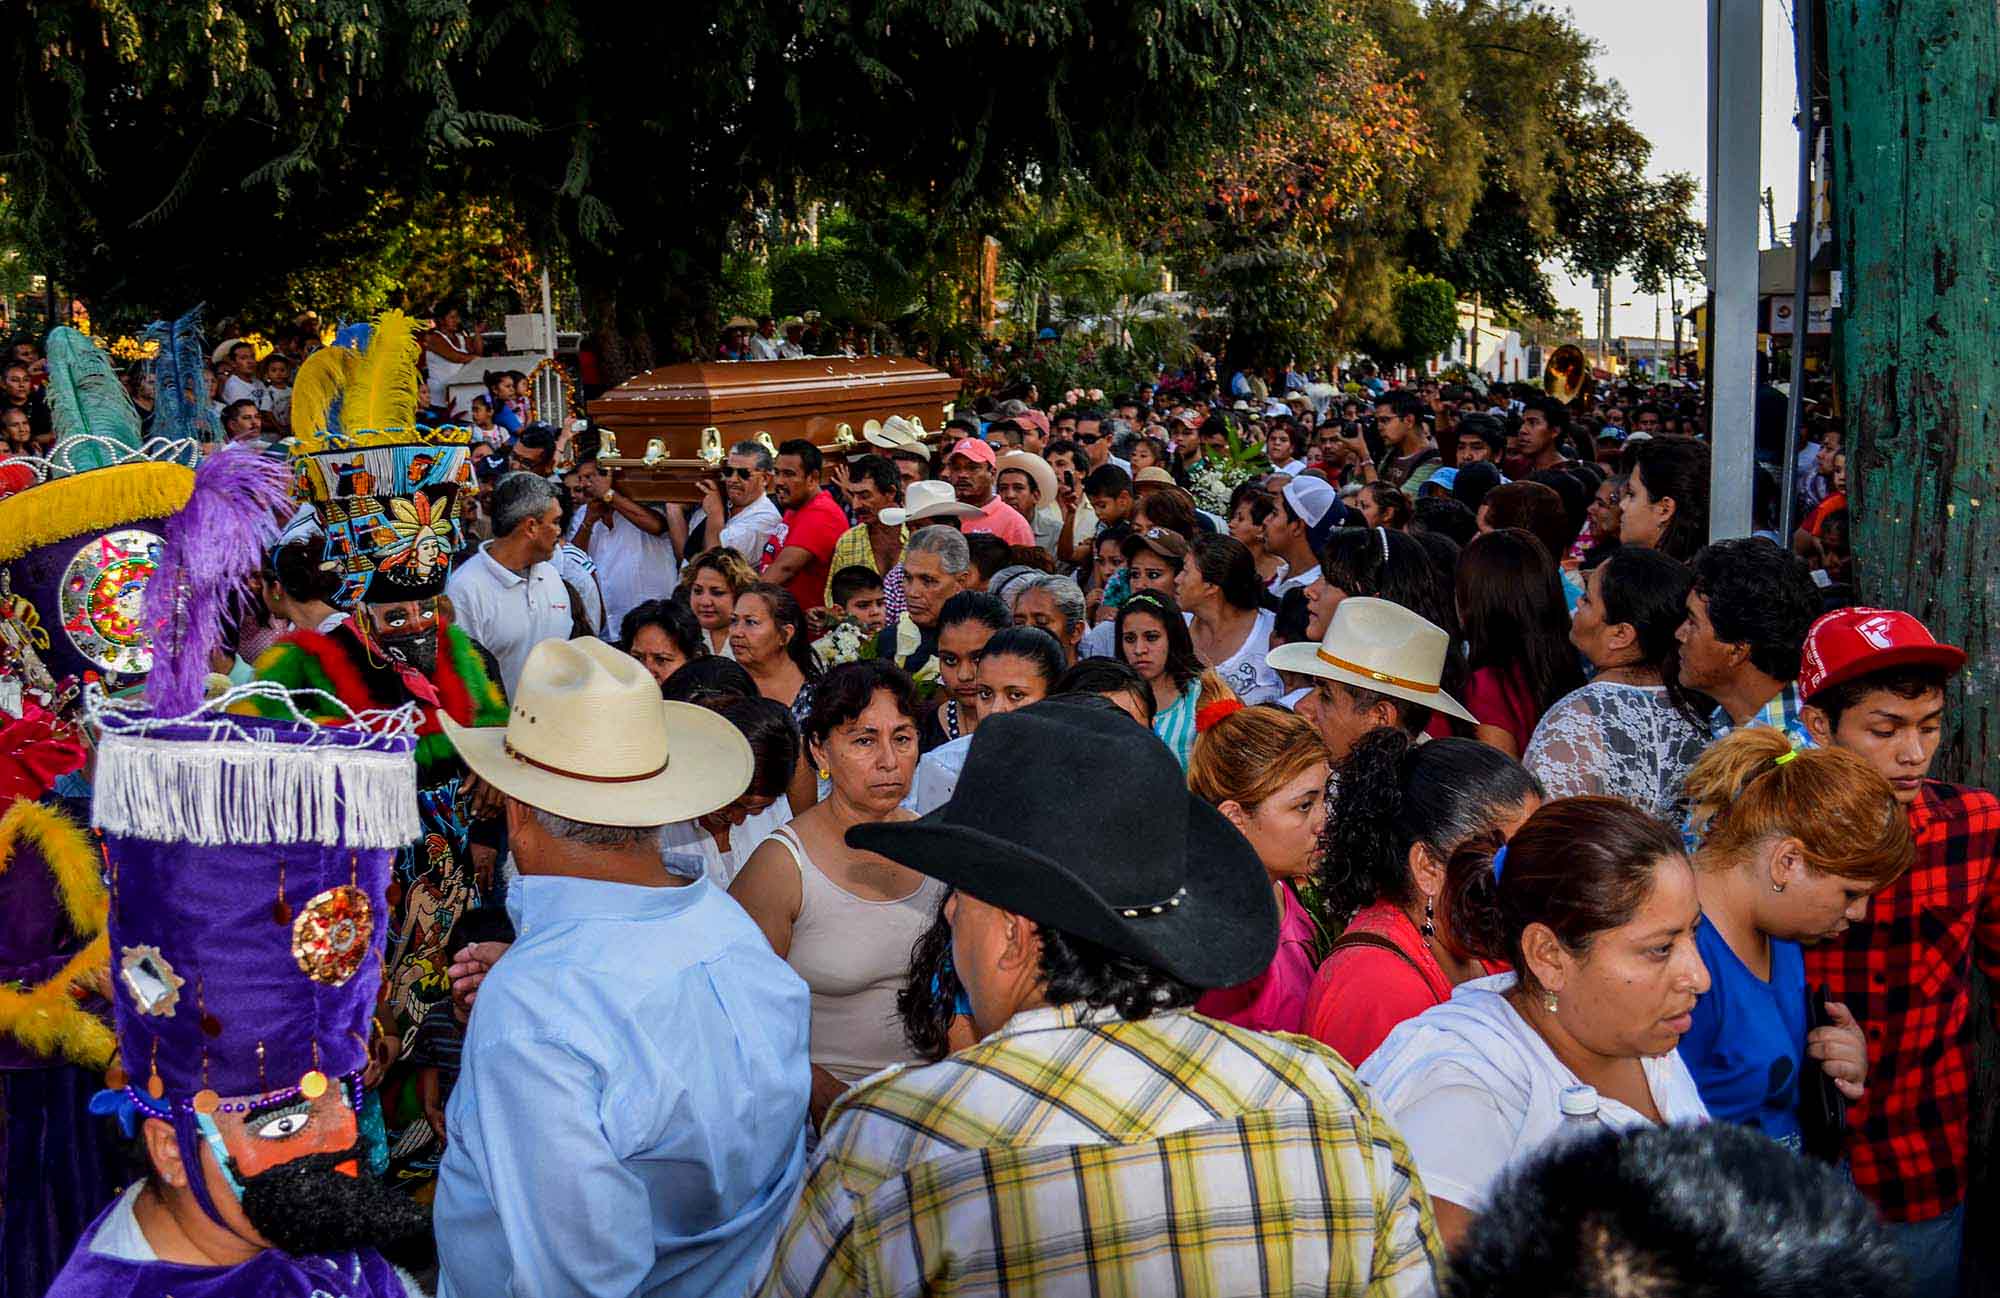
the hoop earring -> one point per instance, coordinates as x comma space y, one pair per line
1430, 928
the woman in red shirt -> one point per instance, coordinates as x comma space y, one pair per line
1265, 769
1516, 624
1400, 812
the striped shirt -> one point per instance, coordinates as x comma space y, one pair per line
1072, 1152
1174, 724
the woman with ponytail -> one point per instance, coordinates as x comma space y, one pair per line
1265, 770
1153, 640
1400, 810
1793, 842
1592, 904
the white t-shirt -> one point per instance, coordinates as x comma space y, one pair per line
1282, 582
507, 612
750, 528
633, 566
1101, 641
236, 388
578, 569
1474, 1090
688, 837
937, 775
1245, 671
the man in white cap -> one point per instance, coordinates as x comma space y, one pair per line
970, 469
1294, 530
631, 1115
1378, 665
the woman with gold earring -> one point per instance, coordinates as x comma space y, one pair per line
1592, 903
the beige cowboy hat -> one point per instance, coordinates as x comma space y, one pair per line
1373, 644
1038, 472
589, 738
926, 500
1153, 476
898, 434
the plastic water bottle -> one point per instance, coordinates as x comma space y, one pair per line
1579, 1110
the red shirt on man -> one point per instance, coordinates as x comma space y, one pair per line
815, 527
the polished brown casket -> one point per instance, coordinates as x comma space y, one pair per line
673, 425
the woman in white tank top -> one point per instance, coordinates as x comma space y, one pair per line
845, 920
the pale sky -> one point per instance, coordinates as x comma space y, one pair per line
1658, 51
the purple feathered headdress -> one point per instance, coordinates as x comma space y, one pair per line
210, 550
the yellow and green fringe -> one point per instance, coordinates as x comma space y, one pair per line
47, 1018
90, 502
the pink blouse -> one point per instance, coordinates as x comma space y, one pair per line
1275, 1000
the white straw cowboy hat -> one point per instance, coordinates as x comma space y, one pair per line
589, 738
1373, 644
898, 434
1038, 472
928, 499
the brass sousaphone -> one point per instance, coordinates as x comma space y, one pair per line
1567, 375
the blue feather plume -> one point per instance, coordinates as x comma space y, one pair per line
180, 379
354, 336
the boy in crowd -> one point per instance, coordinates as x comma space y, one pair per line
856, 592
1872, 681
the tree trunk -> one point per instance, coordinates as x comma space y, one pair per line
1917, 192
1916, 153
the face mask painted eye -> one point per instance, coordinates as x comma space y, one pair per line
284, 1125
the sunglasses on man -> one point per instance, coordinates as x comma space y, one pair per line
735, 471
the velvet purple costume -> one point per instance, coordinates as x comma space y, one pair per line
248, 864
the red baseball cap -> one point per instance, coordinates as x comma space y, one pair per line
973, 449
1853, 642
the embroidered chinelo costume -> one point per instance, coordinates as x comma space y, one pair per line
248, 862
80, 534
389, 497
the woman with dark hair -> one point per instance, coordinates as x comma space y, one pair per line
724, 839
1592, 905
1535, 508
1018, 666
1219, 588
1171, 508
1400, 810
1510, 604
1382, 505
1153, 640
663, 636
1622, 734
1665, 506
1113, 680
713, 674
300, 587
966, 622
1249, 506
767, 634
846, 919
1603, 514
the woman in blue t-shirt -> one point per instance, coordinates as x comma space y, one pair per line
1792, 843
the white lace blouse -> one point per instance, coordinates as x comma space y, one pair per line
1623, 741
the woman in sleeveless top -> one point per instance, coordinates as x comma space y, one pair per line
448, 349
846, 920
1400, 811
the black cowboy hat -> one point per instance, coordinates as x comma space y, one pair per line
1071, 816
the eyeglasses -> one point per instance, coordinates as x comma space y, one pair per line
735, 471
1089, 439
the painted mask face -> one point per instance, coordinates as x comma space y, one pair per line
407, 632
294, 1166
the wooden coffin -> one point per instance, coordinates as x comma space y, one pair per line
673, 425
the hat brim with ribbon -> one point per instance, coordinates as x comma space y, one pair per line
953, 509
1306, 659
709, 765
1110, 881
1038, 472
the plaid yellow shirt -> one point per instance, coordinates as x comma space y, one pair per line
1074, 1153
853, 548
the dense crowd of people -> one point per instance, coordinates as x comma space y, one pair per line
1263, 836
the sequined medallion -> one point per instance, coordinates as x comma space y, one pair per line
151, 982
102, 589
330, 936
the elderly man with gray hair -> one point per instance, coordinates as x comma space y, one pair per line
937, 564
736, 506
508, 596
1054, 603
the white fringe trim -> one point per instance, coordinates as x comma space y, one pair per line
180, 791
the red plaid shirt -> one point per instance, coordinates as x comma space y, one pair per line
1906, 972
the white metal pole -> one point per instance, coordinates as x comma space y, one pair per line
1735, 98
548, 318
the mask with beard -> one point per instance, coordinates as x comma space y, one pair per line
419, 651
305, 1206
406, 632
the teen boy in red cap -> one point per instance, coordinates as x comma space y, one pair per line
1872, 681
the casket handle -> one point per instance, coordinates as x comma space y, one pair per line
763, 439
843, 435
607, 444
711, 446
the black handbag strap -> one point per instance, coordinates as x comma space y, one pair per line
1354, 939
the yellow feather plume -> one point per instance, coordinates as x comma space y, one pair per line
384, 391
318, 384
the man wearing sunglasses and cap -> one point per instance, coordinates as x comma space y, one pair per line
1101, 1137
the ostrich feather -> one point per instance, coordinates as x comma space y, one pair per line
317, 389
87, 398
354, 337
180, 380
385, 392
208, 552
